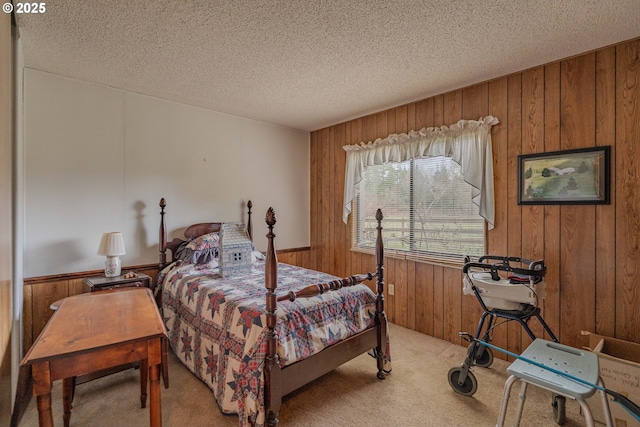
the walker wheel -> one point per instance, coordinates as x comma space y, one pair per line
559, 409
470, 385
486, 359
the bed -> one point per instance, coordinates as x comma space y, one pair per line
257, 336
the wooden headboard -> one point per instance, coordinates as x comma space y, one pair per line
191, 232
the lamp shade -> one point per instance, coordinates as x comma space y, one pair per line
112, 244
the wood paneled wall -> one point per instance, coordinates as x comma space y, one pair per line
592, 252
41, 292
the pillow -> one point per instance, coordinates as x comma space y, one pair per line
200, 250
257, 256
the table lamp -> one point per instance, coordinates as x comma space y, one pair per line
112, 246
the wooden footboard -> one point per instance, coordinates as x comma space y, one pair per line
279, 380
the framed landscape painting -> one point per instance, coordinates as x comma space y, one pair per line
564, 177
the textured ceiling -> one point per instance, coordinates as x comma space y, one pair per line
308, 64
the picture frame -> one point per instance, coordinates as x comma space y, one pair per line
568, 177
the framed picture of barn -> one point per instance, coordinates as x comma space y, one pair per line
569, 177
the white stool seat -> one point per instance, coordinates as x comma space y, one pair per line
574, 362
578, 363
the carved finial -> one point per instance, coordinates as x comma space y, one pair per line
379, 215
163, 204
249, 204
270, 218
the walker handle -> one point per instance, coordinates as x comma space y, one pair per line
536, 268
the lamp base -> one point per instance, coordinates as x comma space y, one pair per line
112, 266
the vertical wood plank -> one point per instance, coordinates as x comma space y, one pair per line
452, 302
284, 257
627, 197
401, 119
497, 238
475, 101
577, 239
325, 202
357, 136
330, 220
304, 259
475, 104
533, 142
452, 107
43, 295
27, 318
349, 139
438, 271
438, 302
514, 216
551, 306
424, 298
401, 293
411, 294
411, 117
424, 113
341, 243
314, 197
77, 286
390, 279
605, 214
452, 279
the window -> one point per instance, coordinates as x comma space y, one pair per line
427, 207
434, 186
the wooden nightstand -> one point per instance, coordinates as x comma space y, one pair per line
100, 283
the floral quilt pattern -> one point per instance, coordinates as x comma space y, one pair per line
217, 327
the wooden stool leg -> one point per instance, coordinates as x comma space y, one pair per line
67, 397
144, 372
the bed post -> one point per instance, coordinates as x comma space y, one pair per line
249, 227
381, 317
272, 372
162, 242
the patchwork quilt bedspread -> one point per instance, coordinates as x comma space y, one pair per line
217, 326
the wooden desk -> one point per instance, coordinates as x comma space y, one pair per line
87, 334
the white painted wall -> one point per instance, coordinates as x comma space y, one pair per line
99, 159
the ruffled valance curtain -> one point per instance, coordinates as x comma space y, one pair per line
467, 142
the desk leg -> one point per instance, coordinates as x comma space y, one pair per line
45, 417
42, 390
155, 408
144, 371
67, 397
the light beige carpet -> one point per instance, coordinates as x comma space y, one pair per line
416, 393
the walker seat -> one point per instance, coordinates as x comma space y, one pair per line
503, 294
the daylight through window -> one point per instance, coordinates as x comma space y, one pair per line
428, 212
